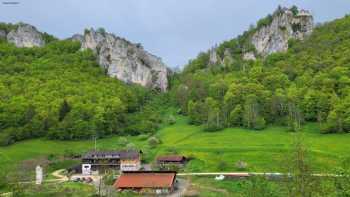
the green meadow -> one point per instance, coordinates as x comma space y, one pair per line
263, 151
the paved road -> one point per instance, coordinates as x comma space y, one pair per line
182, 186
246, 174
59, 176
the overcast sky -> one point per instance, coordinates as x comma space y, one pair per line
175, 30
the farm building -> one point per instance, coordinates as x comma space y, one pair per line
171, 160
147, 182
116, 160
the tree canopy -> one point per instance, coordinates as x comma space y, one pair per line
309, 82
60, 92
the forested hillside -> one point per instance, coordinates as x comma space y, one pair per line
60, 92
309, 82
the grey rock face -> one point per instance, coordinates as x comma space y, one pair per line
284, 26
126, 61
249, 56
2, 34
26, 36
213, 57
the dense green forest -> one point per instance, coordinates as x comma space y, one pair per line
59, 91
310, 82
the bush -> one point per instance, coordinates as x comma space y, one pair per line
241, 165
130, 146
108, 179
222, 165
143, 137
153, 141
260, 124
122, 141
6, 137
52, 157
264, 21
171, 120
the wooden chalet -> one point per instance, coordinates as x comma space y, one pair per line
124, 160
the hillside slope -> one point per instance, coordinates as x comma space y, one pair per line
308, 82
60, 92
120, 58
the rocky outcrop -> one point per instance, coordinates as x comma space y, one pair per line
126, 61
284, 25
25, 36
120, 58
213, 57
249, 56
2, 34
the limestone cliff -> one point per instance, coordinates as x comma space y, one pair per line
285, 25
120, 58
25, 35
126, 61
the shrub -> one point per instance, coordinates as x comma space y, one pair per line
260, 124
295, 10
7, 137
222, 165
153, 141
241, 165
122, 141
101, 30
143, 137
52, 157
108, 179
171, 120
264, 21
130, 146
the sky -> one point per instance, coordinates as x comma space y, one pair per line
175, 30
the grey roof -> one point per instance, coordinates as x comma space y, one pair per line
122, 154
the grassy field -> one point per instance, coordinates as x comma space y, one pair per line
213, 151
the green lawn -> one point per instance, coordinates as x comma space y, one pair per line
262, 150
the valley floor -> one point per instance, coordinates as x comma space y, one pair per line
263, 151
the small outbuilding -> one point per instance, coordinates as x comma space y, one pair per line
147, 182
171, 160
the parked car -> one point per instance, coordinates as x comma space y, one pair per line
77, 179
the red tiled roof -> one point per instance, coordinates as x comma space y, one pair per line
145, 180
171, 158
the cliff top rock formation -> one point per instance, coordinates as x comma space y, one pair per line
120, 58
25, 36
126, 61
285, 24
